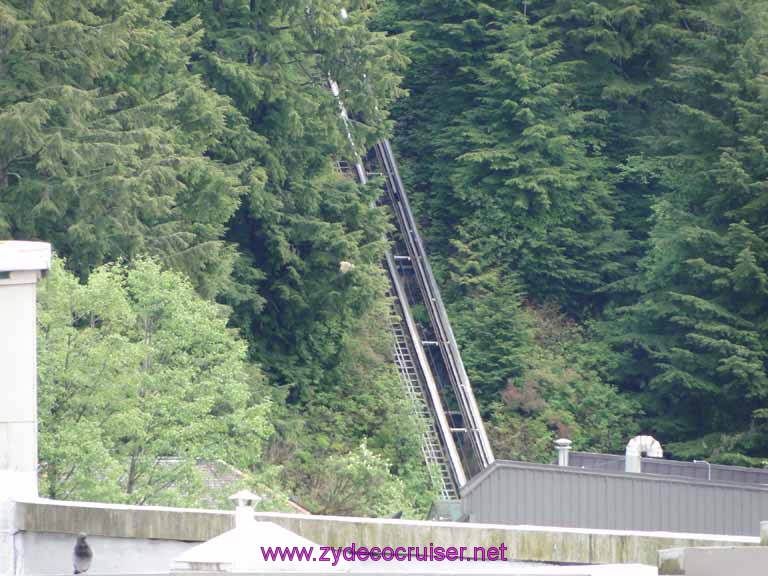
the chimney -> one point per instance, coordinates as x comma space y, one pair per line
563, 446
21, 266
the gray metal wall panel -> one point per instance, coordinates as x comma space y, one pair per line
518, 493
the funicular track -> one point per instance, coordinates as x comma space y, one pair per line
438, 446
433, 334
453, 439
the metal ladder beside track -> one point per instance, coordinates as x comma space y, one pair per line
476, 453
431, 448
416, 377
437, 443
425, 378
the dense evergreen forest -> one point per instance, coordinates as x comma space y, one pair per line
591, 178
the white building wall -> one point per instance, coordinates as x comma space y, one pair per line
111, 555
21, 264
18, 384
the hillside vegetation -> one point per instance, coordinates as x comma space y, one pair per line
590, 178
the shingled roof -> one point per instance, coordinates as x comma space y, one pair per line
220, 477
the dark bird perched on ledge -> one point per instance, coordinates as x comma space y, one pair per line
82, 555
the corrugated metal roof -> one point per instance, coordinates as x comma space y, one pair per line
545, 495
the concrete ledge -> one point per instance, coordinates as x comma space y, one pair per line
533, 543
121, 521
714, 561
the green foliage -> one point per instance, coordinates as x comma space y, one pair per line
107, 137
607, 157
531, 174
138, 379
536, 373
319, 334
590, 177
697, 331
358, 483
513, 161
204, 134
359, 398
562, 393
493, 330
508, 163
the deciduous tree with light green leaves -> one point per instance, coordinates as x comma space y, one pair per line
357, 483
138, 378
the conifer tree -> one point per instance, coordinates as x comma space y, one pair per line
447, 41
311, 327
623, 47
698, 330
611, 156
274, 60
532, 175
107, 135
495, 142
492, 328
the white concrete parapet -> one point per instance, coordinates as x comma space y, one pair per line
146, 539
16, 256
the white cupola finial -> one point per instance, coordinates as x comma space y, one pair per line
244, 509
245, 498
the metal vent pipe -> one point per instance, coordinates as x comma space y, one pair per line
635, 449
563, 447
